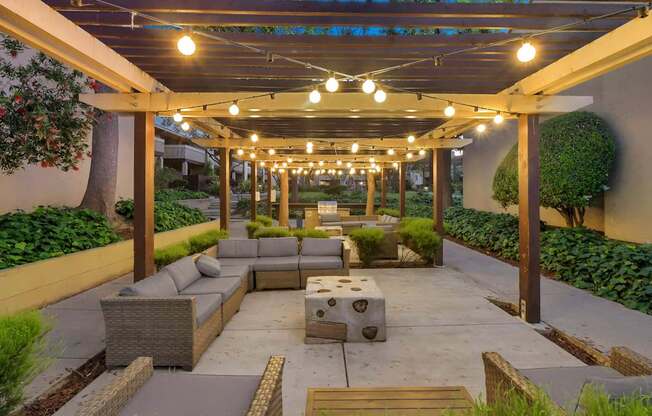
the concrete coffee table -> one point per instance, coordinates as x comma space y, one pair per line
344, 309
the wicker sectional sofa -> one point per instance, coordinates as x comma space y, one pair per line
283, 263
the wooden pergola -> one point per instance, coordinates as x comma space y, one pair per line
117, 43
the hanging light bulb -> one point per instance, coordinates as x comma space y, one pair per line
354, 147
372, 160
254, 137
409, 155
349, 164
321, 163
380, 96
422, 152
284, 164
281, 170
271, 152
177, 117
252, 155
234, 110
186, 45
262, 163
338, 162
314, 96
391, 152
352, 171
498, 118
305, 172
185, 126
294, 171
339, 173
526, 52
368, 86
308, 150
449, 111
395, 164
289, 160
275, 166
311, 164
332, 84
481, 128
361, 171
240, 152
411, 139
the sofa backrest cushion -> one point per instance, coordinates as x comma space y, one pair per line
330, 217
208, 266
321, 247
157, 285
278, 247
183, 272
237, 248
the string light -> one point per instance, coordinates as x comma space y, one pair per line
349, 164
409, 155
338, 162
411, 139
309, 147
294, 171
311, 164
339, 173
395, 165
332, 84
240, 152
254, 137
449, 111
372, 160
354, 147
186, 45
305, 172
252, 155
422, 152
391, 152
262, 163
526, 52
289, 160
284, 164
185, 126
177, 117
352, 171
498, 118
361, 171
281, 170
481, 128
234, 110
321, 163
380, 96
368, 86
314, 96
271, 152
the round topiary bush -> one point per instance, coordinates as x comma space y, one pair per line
577, 151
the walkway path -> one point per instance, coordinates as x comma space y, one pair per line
577, 312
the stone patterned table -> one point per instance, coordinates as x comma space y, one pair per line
344, 309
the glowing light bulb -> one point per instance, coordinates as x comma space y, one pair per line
449, 111
262, 163
321, 163
294, 171
254, 137
177, 117
314, 96
361, 171
284, 164
391, 152
395, 164
308, 149
498, 118
186, 45
185, 126
252, 155
332, 84
352, 171
380, 96
240, 152
289, 160
526, 52
305, 172
411, 139
349, 164
311, 164
422, 152
409, 155
281, 170
339, 173
368, 86
271, 152
354, 147
481, 128
338, 163
234, 110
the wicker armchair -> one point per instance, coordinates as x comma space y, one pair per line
112, 399
501, 377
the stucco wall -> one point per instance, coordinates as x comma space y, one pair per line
33, 186
624, 99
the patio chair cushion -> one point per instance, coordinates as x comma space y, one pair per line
225, 286
183, 272
321, 247
208, 266
157, 285
564, 384
239, 271
276, 264
174, 394
622, 386
330, 217
237, 248
278, 247
206, 305
320, 262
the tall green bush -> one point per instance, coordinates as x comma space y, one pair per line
367, 241
252, 227
22, 343
577, 152
168, 215
418, 234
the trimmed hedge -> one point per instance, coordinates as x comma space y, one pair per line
389, 211
51, 232
261, 221
615, 270
195, 244
207, 239
419, 236
168, 215
367, 241
302, 233
265, 220
267, 232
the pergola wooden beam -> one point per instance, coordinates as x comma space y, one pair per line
282, 146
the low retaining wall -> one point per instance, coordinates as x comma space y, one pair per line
47, 281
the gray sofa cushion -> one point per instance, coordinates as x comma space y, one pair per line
622, 386
158, 285
238, 261
225, 286
564, 384
321, 247
276, 264
320, 262
242, 272
208, 266
332, 217
183, 272
278, 247
237, 248
206, 305
180, 393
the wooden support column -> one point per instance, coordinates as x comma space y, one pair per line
448, 190
254, 188
402, 171
528, 218
225, 185
371, 193
439, 178
294, 187
383, 188
283, 208
270, 189
143, 195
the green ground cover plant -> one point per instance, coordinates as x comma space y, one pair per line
615, 270
178, 194
51, 232
268, 232
301, 233
388, 211
367, 241
22, 344
168, 215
